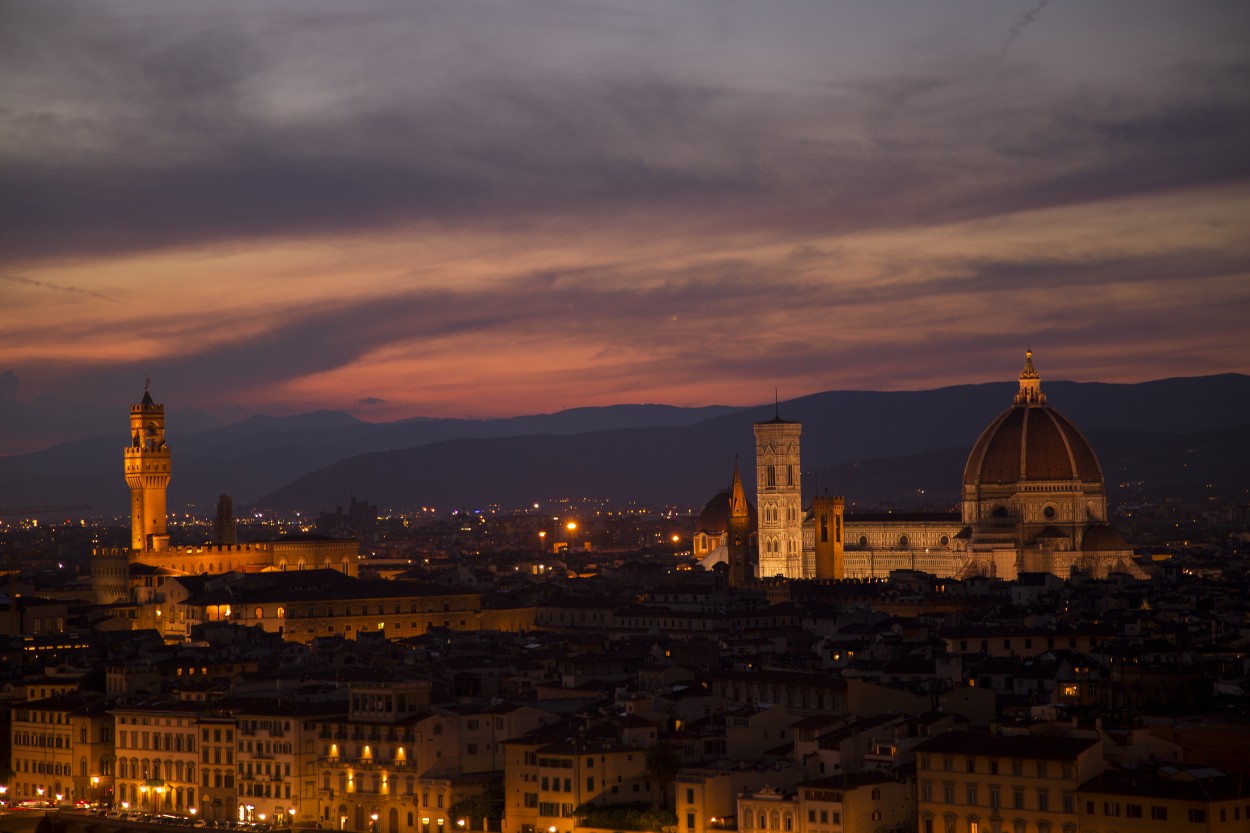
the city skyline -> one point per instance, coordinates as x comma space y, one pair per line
489, 210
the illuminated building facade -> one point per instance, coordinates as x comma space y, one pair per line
146, 461
1033, 500
778, 491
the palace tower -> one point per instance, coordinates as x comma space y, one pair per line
147, 475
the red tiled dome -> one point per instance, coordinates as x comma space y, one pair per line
1030, 442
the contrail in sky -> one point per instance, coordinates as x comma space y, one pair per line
1019, 26
45, 285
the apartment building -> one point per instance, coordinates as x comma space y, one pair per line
158, 756
547, 777
1164, 800
978, 783
62, 749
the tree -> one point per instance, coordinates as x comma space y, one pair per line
663, 761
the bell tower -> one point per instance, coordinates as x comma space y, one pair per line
738, 539
147, 474
779, 498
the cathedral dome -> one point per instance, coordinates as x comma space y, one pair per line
1104, 538
714, 519
1031, 441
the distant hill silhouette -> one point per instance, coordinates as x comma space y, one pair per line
872, 447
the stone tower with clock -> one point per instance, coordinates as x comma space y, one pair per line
147, 475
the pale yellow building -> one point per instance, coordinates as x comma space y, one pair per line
158, 756
849, 803
982, 783
545, 781
62, 749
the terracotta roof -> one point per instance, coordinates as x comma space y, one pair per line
1045, 747
1031, 442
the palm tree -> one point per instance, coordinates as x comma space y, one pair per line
663, 761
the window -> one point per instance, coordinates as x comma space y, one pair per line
690, 821
1017, 799
1197, 815
994, 799
1043, 801
1158, 813
1132, 811
972, 794
1111, 808
689, 795
972, 764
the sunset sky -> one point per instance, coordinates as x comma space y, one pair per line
483, 209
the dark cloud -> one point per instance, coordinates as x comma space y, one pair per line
189, 154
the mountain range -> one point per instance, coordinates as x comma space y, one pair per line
874, 447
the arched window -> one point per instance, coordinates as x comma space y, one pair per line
902, 540
260, 613
282, 613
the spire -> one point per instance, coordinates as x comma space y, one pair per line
1030, 392
147, 392
737, 497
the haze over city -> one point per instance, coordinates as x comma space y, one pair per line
489, 209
